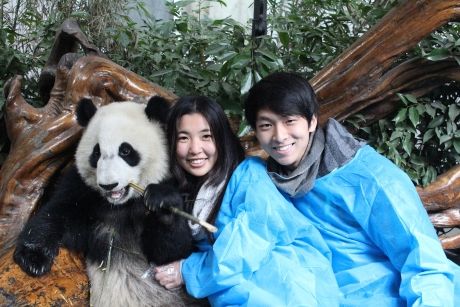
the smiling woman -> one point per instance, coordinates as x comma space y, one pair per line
204, 152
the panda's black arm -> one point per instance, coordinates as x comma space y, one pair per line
166, 236
57, 222
166, 242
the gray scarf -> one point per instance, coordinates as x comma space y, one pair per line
328, 149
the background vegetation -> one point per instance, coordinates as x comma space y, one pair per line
191, 53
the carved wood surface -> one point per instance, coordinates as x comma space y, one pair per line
363, 78
66, 284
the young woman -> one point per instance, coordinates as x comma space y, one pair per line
201, 167
259, 256
385, 251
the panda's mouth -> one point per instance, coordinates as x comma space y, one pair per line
117, 195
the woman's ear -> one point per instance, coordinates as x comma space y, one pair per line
313, 124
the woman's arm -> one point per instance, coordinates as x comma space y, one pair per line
265, 252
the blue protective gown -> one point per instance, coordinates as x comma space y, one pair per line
266, 252
385, 251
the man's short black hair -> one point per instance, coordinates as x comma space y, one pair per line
283, 93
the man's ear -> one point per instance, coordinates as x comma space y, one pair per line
313, 124
157, 109
85, 111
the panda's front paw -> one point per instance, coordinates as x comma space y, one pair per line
162, 196
34, 260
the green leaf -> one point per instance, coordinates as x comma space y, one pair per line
284, 38
449, 128
216, 49
414, 116
456, 144
157, 57
403, 98
246, 83
421, 108
161, 73
438, 54
445, 138
430, 110
227, 56
267, 54
402, 115
396, 134
408, 145
417, 161
435, 122
439, 105
430, 176
411, 98
453, 111
428, 135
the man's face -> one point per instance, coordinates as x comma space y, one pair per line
284, 138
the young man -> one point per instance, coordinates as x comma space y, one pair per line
385, 251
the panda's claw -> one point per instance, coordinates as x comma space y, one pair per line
34, 262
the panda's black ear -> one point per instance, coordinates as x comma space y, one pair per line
157, 109
85, 111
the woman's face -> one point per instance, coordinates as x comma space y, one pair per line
196, 150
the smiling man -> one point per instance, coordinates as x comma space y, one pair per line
385, 251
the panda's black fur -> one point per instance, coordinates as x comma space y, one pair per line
93, 211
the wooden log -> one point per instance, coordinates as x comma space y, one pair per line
363, 74
450, 242
66, 284
444, 193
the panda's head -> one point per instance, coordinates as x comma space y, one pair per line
123, 142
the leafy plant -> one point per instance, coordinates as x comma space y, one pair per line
423, 137
311, 33
192, 54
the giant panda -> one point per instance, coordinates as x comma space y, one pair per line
93, 210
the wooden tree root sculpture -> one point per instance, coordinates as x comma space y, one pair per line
364, 78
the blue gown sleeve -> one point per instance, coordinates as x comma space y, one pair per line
265, 253
392, 214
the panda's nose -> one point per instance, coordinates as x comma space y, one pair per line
108, 187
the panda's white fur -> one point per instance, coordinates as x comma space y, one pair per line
95, 212
111, 126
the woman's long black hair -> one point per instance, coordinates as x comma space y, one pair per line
229, 150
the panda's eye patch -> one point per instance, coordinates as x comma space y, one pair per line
125, 149
95, 155
129, 154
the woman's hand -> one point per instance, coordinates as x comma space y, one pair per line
169, 275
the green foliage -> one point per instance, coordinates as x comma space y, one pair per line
442, 44
423, 137
192, 54
27, 33
311, 33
